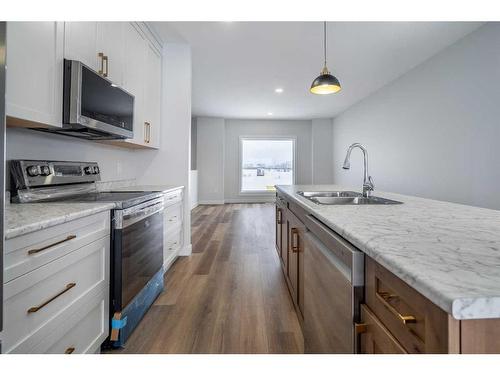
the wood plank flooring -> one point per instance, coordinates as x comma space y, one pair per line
229, 296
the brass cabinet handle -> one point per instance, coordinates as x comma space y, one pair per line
101, 71
147, 132
39, 307
172, 218
279, 216
295, 239
105, 59
360, 328
384, 298
70, 350
34, 251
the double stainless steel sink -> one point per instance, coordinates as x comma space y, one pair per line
343, 198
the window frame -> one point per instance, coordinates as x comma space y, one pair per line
264, 138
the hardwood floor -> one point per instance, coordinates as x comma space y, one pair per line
229, 296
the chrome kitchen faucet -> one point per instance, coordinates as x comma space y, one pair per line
368, 185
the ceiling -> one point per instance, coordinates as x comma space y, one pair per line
238, 65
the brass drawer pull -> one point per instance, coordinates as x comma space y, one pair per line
172, 218
295, 240
384, 298
279, 217
34, 251
70, 350
36, 308
360, 328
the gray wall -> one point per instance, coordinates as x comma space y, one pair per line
210, 164
322, 151
194, 127
434, 132
218, 154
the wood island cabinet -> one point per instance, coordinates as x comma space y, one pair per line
390, 317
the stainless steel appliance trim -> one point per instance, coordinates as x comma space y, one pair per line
129, 216
343, 268
75, 115
355, 257
3, 49
24, 181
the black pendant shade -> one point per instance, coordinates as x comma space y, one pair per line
325, 83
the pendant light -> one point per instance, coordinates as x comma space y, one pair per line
325, 83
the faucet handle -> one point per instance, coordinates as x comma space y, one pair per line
371, 183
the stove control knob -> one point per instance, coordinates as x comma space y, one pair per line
88, 170
45, 170
32, 171
96, 170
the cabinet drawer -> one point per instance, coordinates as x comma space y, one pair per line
173, 215
375, 338
418, 324
28, 252
172, 197
173, 240
87, 334
32, 300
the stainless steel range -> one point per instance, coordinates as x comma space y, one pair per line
136, 238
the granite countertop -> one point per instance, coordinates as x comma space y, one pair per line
448, 252
30, 217
160, 188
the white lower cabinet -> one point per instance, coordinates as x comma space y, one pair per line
61, 305
173, 224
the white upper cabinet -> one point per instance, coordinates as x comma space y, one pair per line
135, 52
34, 72
126, 53
80, 43
152, 96
111, 50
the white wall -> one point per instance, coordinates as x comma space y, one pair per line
210, 160
193, 189
322, 151
435, 131
170, 165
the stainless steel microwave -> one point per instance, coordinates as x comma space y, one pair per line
94, 107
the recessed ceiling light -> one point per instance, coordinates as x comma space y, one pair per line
269, 113
279, 90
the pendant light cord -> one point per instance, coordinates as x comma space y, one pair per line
324, 39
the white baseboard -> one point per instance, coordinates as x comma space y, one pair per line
251, 200
211, 202
186, 251
195, 205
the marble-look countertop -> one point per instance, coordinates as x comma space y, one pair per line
160, 188
448, 252
30, 217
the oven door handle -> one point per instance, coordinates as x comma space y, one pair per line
133, 217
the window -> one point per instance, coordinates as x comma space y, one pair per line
266, 162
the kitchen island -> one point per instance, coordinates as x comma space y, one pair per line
449, 254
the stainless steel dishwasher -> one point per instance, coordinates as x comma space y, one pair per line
333, 289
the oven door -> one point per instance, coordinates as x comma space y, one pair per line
138, 250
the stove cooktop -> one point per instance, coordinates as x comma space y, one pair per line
122, 199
